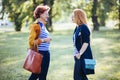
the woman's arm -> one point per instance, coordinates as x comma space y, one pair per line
85, 39
82, 50
34, 32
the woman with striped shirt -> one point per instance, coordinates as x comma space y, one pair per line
40, 36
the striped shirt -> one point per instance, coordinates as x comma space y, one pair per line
44, 34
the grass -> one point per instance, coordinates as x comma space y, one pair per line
105, 47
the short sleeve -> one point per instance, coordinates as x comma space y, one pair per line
85, 34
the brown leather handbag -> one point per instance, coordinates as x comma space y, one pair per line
33, 61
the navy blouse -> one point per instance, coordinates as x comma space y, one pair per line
82, 35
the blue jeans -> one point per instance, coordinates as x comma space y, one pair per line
78, 71
44, 67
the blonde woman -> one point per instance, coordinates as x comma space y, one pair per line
82, 49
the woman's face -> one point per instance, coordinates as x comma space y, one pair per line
44, 16
73, 18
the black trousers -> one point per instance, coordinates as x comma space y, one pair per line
78, 71
44, 67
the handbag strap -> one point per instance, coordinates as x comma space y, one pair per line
35, 46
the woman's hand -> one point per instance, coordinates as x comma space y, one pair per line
78, 56
47, 39
36, 42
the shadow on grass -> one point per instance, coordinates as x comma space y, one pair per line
105, 47
12, 50
106, 50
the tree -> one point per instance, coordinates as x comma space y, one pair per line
61, 10
16, 14
102, 14
95, 16
114, 12
105, 8
24, 12
49, 24
119, 13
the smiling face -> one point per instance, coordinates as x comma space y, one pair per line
41, 13
44, 16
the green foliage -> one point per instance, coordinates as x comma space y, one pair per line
16, 14
19, 11
83, 4
107, 9
56, 12
61, 10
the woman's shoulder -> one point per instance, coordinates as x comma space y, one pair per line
34, 26
83, 26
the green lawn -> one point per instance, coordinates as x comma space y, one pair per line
105, 47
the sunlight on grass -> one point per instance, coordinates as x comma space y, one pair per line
61, 74
61, 47
11, 62
105, 47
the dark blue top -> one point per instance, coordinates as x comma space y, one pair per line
82, 35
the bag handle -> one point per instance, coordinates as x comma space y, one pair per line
34, 47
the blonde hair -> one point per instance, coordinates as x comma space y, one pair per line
80, 16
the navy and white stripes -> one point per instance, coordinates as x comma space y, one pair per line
44, 34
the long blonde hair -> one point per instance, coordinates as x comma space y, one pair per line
80, 16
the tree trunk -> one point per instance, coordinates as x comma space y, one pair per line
119, 16
94, 16
3, 9
95, 23
49, 23
2, 15
102, 18
34, 6
17, 26
18, 23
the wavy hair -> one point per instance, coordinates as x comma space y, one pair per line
80, 16
40, 10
